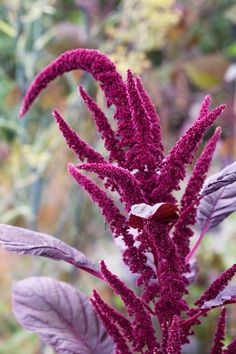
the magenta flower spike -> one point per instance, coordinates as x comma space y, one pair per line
144, 334
121, 346
217, 286
103, 127
205, 107
128, 186
191, 195
75, 143
116, 317
152, 227
174, 165
154, 121
174, 342
141, 154
220, 334
111, 213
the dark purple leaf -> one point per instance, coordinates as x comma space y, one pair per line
62, 316
23, 241
160, 212
227, 296
221, 179
217, 205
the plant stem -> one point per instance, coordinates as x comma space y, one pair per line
189, 320
199, 240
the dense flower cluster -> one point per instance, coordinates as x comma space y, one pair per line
158, 252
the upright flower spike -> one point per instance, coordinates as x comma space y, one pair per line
205, 107
174, 342
129, 188
116, 317
111, 213
103, 70
174, 165
217, 286
220, 334
112, 330
182, 232
143, 330
154, 121
75, 143
169, 271
199, 173
141, 155
103, 127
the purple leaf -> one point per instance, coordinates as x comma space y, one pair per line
160, 212
192, 275
227, 296
221, 179
219, 198
62, 316
22, 241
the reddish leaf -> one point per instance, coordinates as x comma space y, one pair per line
160, 212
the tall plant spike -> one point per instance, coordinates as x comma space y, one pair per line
103, 126
191, 195
154, 236
154, 121
217, 286
75, 143
220, 334
174, 165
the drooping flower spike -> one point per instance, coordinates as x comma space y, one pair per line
102, 69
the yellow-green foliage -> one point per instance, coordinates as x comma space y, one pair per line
142, 26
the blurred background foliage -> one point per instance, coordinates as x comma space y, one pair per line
181, 49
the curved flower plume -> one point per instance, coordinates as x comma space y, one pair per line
129, 188
174, 165
103, 126
182, 232
102, 69
75, 143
